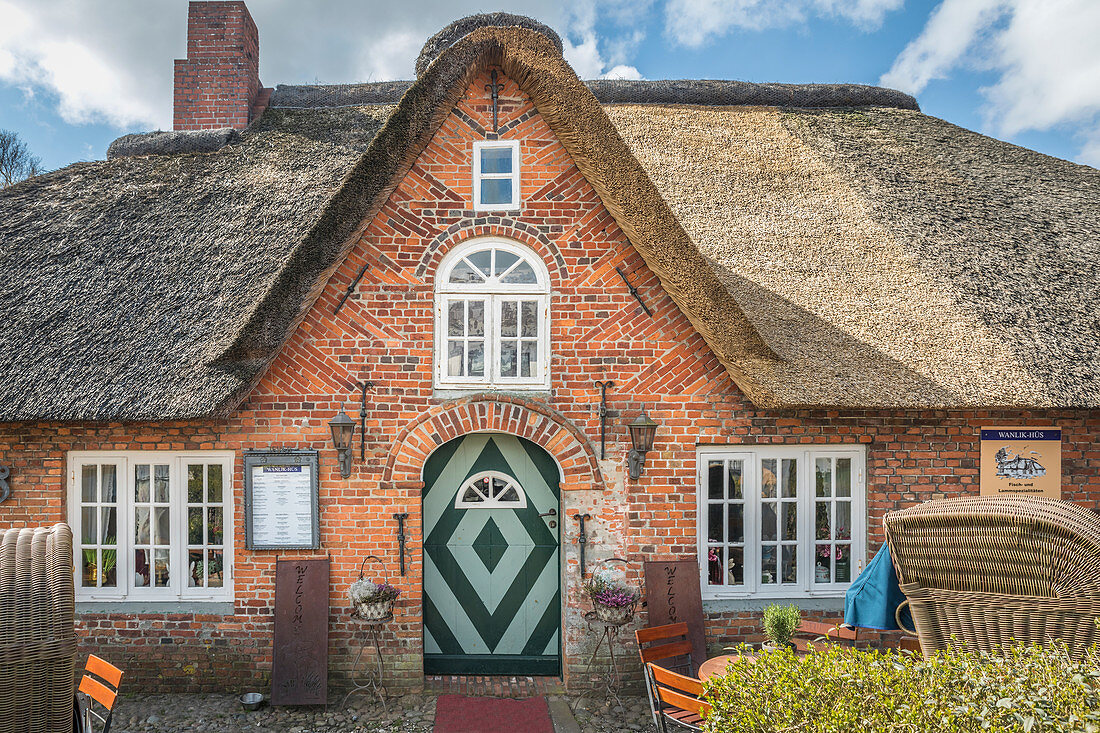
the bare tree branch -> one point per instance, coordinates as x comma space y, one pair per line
16, 161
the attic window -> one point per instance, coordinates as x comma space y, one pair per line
496, 175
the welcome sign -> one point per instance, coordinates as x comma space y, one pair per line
1021, 461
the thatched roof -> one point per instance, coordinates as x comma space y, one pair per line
888, 258
831, 256
127, 280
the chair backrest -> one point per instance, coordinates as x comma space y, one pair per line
813, 635
104, 692
1013, 545
677, 690
660, 643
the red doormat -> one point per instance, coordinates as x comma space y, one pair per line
461, 714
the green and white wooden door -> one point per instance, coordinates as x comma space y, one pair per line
492, 585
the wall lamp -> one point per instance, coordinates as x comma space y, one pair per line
642, 432
343, 429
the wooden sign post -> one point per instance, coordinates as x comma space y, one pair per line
299, 668
673, 594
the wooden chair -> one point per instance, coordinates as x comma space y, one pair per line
661, 644
814, 635
104, 694
679, 699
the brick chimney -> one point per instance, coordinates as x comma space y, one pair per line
218, 84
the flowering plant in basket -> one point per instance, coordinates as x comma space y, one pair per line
372, 600
611, 598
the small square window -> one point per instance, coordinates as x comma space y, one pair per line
496, 175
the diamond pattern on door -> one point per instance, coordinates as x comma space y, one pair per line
492, 593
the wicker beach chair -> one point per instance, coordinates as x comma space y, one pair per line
992, 571
37, 636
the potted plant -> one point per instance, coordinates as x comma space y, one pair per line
372, 601
612, 600
780, 623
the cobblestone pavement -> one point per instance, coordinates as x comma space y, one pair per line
168, 713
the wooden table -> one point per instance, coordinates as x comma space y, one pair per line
716, 666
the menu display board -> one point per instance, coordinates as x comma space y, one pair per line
1021, 461
281, 500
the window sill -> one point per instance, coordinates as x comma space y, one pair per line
806, 603
207, 608
449, 393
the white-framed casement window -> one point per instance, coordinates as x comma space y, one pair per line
152, 526
492, 317
496, 175
782, 521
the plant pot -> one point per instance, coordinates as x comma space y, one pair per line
374, 611
613, 615
769, 646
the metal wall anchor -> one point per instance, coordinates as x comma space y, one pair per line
582, 538
401, 538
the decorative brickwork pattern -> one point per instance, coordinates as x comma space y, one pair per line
384, 333
501, 413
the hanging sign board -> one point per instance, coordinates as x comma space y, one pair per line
299, 663
1021, 461
281, 500
673, 594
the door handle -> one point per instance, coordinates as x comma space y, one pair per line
551, 513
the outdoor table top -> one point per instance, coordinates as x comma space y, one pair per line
716, 666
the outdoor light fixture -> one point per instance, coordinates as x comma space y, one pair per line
343, 429
642, 432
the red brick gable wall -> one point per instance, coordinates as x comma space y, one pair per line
384, 333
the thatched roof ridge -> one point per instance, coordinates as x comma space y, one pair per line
462, 27
629, 91
173, 142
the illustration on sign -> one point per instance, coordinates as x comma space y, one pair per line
1021, 461
1010, 466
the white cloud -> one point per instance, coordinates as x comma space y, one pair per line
695, 23
1044, 54
622, 71
111, 60
582, 45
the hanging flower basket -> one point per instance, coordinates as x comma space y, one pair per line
372, 601
613, 601
613, 615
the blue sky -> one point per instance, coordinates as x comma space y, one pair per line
75, 74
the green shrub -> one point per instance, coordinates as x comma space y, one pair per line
843, 689
780, 623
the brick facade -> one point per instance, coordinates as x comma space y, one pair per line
218, 84
384, 333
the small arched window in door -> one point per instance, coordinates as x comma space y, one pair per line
490, 490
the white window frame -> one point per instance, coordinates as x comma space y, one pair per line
490, 502
493, 294
807, 586
125, 461
516, 201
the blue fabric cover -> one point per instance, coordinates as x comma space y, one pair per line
873, 598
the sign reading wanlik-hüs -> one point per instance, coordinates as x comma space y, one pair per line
1021, 461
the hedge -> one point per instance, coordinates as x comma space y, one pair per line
844, 689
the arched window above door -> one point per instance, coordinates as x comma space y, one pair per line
492, 317
490, 490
